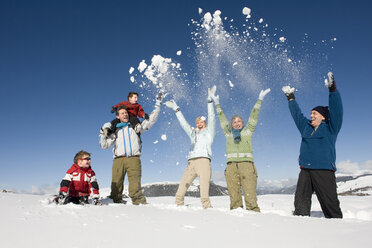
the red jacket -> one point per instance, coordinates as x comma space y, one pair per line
80, 181
133, 109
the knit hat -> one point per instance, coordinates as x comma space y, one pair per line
323, 110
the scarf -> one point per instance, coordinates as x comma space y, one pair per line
236, 134
122, 124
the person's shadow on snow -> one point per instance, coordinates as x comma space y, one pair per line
316, 214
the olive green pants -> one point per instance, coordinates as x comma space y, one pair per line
132, 167
242, 175
198, 167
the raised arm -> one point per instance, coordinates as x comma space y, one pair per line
253, 117
105, 140
225, 126
299, 119
335, 104
211, 114
153, 117
181, 119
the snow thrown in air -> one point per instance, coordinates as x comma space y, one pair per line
239, 60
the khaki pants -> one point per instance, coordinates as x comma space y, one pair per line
120, 167
242, 175
198, 167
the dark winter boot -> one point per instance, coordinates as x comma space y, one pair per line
134, 121
83, 200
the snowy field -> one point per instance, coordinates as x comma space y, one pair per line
30, 221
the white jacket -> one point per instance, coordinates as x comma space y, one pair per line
127, 143
201, 140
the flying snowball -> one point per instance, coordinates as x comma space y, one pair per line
287, 89
216, 17
282, 39
247, 12
164, 137
142, 66
207, 18
131, 70
179, 52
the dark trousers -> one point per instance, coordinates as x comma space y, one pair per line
323, 183
76, 200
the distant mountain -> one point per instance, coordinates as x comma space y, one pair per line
288, 190
359, 185
170, 189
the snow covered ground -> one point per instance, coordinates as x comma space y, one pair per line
363, 183
29, 221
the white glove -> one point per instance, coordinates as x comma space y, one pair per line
212, 95
172, 105
329, 82
216, 100
211, 92
263, 93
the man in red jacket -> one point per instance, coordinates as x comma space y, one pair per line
79, 182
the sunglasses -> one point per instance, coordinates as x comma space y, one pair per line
87, 159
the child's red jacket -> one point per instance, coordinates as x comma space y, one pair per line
80, 181
133, 109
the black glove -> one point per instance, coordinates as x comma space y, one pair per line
60, 199
290, 96
83, 200
147, 116
134, 121
330, 82
114, 122
113, 109
288, 92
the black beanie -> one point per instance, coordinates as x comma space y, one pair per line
323, 111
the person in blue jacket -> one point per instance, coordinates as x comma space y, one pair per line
318, 153
200, 155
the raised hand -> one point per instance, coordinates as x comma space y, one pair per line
289, 92
263, 93
160, 97
172, 105
212, 95
330, 82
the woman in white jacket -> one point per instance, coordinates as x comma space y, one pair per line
199, 157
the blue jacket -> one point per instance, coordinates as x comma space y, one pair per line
318, 146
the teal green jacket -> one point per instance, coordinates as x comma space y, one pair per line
242, 151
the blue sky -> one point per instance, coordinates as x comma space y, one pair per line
63, 64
